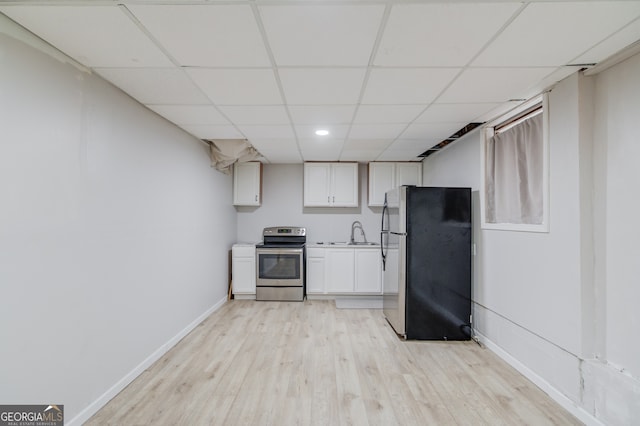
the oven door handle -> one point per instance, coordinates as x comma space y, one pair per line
278, 250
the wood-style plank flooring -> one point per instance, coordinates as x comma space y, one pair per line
292, 363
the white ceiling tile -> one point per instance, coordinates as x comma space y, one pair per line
237, 86
611, 45
406, 149
432, 131
359, 155
366, 144
322, 86
206, 35
443, 113
325, 114
414, 145
325, 150
336, 131
267, 132
213, 131
387, 113
492, 84
553, 33
273, 145
156, 85
375, 131
498, 111
96, 36
190, 114
325, 35
282, 157
440, 34
393, 154
549, 81
271, 114
406, 86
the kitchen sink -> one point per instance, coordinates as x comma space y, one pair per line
362, 243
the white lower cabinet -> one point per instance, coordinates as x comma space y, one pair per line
339, 270
315, 271
368, 277
243, 269
344, 271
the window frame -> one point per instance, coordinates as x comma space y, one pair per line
488, 130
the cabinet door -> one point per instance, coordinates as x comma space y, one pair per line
315, 275
243, 275
408, 174
339, 265
317, 179
381, 179
368, 271
344, 185
246, 184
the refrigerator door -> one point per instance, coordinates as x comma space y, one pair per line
438, 247
394, 250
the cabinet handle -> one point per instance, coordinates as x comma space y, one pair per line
328, 199
256, 197
334, 199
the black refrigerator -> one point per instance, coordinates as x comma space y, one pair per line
426, 256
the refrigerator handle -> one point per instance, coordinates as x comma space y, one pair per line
384, 257
382, 231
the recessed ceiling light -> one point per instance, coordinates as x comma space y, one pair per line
322, 132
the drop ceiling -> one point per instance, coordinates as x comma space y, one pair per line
388, 79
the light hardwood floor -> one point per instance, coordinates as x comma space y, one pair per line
292, 363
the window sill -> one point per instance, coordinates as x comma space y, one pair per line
516, 227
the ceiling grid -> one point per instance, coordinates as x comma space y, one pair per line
388, 79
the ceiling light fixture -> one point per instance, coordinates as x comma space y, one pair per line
322, 132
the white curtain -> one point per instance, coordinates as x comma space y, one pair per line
514, 174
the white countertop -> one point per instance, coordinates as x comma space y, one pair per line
342, 245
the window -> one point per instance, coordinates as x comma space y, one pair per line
515, 170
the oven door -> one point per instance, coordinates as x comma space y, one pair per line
279, 267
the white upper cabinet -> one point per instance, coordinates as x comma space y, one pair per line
408, 174
384, 176
247, 186
331, 184
381, 179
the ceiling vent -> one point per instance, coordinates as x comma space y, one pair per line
457, 135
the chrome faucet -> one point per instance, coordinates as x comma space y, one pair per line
355, 225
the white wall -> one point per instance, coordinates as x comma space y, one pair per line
114, 232
539, 301
282, 200
615, 385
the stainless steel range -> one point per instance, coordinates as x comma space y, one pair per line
280, 261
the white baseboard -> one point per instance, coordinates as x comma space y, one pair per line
556, 395
96, 405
